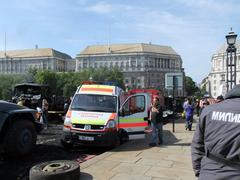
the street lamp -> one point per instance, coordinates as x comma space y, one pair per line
231, 60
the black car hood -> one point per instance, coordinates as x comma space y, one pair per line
7, 107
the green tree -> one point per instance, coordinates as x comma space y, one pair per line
31, 75
65, 84
7, 84
49, 78
191, 87
110, 75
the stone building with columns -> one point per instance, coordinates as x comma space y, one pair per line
143, 65
20, 61
217, 77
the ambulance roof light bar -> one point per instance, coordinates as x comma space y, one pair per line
100, 83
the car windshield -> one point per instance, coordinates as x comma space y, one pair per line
94, 102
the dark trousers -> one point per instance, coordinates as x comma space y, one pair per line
45, 118
189, 120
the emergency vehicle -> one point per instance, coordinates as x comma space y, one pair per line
100, 114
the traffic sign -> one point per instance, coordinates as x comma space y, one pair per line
172, 79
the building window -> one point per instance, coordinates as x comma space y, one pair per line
126, 81
165, 63
168, 64
151, 64
214, 88
146, 64
133, 63
155, 62
84, 64
122, 64
116, 65
214, 82
139, 81
127, 65
139, 65
159, 63
45, 66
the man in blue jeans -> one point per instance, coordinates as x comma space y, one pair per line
156, 122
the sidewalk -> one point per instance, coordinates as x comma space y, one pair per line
136, 160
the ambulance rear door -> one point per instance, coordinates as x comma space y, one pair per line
133, 115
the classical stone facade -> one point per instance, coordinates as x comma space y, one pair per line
20, 61
143, 65
217, 76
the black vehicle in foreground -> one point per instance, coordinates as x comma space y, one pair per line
18, 129
32, 94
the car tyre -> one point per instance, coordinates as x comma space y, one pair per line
20, 138
55, 170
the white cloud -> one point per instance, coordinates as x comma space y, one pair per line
101, 7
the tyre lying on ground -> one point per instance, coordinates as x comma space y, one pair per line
18, 129
55, 170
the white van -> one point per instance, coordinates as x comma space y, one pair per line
96, 116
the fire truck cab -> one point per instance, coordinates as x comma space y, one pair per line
100, 114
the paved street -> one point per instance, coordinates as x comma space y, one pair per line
136, 160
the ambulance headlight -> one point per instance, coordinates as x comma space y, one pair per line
67, 121
111, 124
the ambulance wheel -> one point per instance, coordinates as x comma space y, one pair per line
124, 136
55, 170
66, 145
117, 142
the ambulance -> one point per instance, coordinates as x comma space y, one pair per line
100, 114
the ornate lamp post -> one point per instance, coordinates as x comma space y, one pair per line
231, 60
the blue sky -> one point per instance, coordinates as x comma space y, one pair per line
194, 28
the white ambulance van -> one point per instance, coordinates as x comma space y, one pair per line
100, 114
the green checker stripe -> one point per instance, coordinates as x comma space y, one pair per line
89, 121
130, 120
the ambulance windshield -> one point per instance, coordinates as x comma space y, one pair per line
94, 102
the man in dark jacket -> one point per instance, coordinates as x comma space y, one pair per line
216, 142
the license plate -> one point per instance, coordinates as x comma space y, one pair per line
86, 138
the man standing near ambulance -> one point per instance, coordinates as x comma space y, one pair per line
156, 122
216, 142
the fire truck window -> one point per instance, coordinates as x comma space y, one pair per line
134, 105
